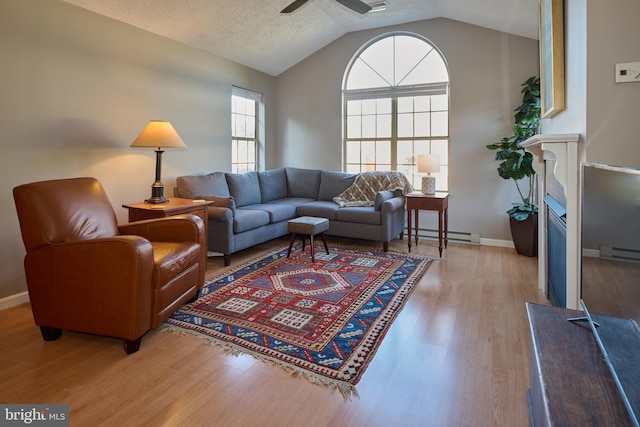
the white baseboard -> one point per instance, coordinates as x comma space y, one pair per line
591, 253
13, 300
496, 242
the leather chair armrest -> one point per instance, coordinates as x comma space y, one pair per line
178, 228
102, 286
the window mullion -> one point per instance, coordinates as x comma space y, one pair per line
256, 146
394, 133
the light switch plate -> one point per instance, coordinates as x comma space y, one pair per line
628, 72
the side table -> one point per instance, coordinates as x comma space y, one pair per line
432, 202
176, 206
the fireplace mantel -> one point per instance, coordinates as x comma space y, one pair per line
563, 154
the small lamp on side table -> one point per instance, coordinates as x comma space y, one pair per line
428, 163
158, 134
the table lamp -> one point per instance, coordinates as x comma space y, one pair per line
428, 163
158, 134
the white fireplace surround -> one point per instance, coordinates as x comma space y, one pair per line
568, 155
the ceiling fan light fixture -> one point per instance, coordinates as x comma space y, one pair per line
356, 5
378, 6
293, 6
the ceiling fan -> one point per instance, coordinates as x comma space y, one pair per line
355, 5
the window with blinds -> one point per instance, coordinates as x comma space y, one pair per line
244, 129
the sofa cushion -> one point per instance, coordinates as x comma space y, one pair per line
320, 208
196, 186
333, 184
248, 219
244, 187
303, 182
277, 211
221, 202
362, 215
273, 184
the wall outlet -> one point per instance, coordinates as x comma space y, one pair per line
628, 72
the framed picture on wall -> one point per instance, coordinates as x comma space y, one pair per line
551, 57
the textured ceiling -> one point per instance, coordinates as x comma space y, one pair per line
255, 34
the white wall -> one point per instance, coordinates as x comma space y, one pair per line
486, 70
77, 88
599, 35
574, 117
613, 128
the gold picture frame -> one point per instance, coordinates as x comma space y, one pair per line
551, 57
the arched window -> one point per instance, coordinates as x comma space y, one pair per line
396, 107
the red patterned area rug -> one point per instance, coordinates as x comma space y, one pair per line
322, 320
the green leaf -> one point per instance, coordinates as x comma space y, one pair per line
515, 162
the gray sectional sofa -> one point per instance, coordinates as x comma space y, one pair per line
254, 207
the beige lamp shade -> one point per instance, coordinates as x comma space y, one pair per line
159, 134
428, 163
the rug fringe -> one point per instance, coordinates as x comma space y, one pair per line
346, 390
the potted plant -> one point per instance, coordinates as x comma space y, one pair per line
516, 164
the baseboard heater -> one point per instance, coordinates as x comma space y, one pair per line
452, 236
620, 254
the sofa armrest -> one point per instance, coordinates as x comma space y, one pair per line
178, 228
220, 214
222, 202
220, 237
392, 205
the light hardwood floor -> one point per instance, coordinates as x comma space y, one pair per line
457, 355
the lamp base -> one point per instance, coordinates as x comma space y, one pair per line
428, 185
157, 194
156, 200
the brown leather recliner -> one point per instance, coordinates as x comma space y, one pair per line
86, 273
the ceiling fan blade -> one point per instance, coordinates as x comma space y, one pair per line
355, 5
293, 6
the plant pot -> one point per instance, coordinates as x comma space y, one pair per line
525, 235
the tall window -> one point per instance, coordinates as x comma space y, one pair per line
244, 125
396, 107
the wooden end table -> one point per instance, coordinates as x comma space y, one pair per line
176, 206
429, 202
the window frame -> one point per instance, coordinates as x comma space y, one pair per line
248, 163
394, 93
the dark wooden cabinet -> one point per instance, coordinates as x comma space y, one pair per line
571, 384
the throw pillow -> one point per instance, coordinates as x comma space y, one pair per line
192, 186
303, 183
244, 188
273, 184
334, 183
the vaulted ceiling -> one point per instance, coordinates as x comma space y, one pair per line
254, 32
